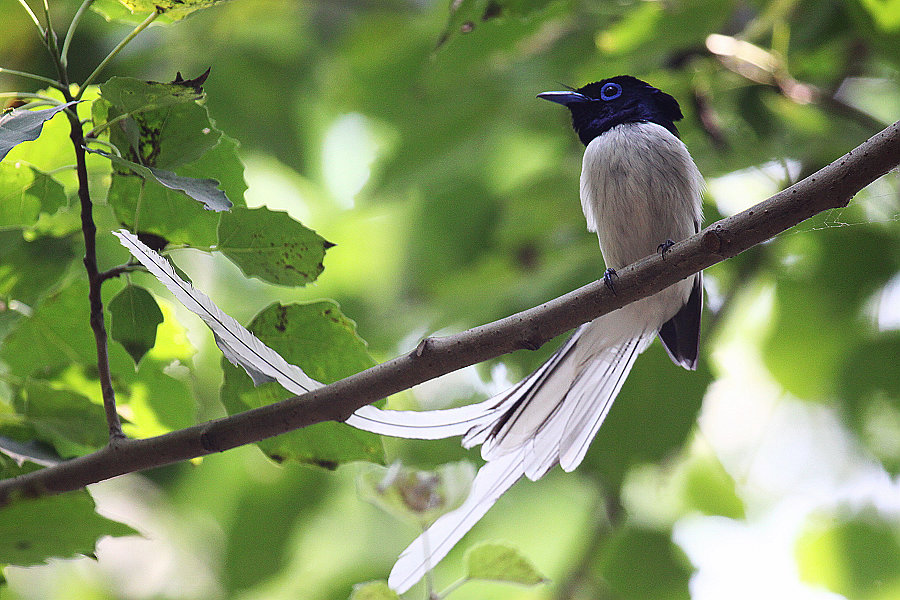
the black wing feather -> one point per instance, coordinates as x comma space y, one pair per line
681, 334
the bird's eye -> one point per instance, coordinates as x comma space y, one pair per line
610, 91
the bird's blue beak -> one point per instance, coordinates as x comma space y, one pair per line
565, 98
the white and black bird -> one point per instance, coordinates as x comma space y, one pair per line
640, 192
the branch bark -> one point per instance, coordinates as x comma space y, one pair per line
831, 187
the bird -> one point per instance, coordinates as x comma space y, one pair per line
640, 192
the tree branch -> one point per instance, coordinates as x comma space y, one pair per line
831, 187
89, 232
95, 280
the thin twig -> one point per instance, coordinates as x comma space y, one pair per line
34, 18
120, 270
90, 78
43, 99
831, 187
95, 282
40, 78
64, 54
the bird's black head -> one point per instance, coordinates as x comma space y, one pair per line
600, 106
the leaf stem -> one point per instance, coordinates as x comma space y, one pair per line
34, 18
64, 54
41, 78
121, 269
47, 18
452, 587
44, 99
93, 140
90, 78
93, 133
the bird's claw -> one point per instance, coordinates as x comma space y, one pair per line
608, 279
664, 247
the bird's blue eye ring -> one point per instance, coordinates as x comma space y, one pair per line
610, 91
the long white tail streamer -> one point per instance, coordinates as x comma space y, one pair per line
239, 346
548, 417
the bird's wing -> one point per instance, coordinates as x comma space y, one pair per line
680, 335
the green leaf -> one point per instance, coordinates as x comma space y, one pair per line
57, 335
822, 327
885, 13
711, 490
135, 11
54, 336
272, 246
164, 138
129, 95
160, 399
30, 268
65, 525
26, 193
857, 557
323, 342
68, 421
26, 274
644, 564
160, 126
23, 125
135, 317
499, 562
205, 191
373, 590
869, 387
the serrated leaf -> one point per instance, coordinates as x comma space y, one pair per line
65, 525
373, 590
135, 315
168, 131
68, 421
151, 131
323, 342
135, 11
26, 193
23, 125
272, 246
129, 95
500, 562
205, 191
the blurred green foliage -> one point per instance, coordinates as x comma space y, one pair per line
408, 134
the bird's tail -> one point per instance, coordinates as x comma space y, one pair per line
548, 418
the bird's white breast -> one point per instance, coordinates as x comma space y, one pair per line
639, 188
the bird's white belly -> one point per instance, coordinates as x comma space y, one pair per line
639, 188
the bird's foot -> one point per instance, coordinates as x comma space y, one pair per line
664, 247
608, 279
